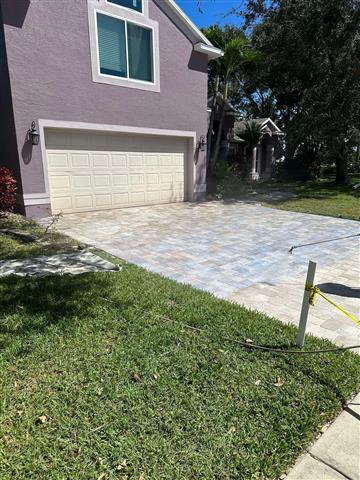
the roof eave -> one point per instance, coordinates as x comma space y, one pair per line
209, 50
184, 18
206, 46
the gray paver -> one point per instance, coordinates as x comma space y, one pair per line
237, 251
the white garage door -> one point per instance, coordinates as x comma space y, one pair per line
96, 171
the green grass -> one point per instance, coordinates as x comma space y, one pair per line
47, 244
322, 198
70, 347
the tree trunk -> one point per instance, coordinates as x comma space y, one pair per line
211, 122
221, 123
341, 169
341, 162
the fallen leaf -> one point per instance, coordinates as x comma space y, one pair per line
43, 419
136, 377
280, 382
257, 382
221, 350
142, 477
232, 430
121, 465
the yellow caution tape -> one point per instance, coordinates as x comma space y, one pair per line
316, 291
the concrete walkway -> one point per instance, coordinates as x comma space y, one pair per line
238, 251
336, 455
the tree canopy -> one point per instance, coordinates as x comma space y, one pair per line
307, 76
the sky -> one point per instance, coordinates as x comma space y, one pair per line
213, 11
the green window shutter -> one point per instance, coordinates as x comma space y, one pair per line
132, 4
140, 53
112, 49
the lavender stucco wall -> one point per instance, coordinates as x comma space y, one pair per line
8, 146
48, 52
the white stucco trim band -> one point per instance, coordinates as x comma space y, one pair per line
36, 199
190, 166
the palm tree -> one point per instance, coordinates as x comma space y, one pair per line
237, 51
216, 37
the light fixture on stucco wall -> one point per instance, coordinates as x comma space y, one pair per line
33, 134
202, 143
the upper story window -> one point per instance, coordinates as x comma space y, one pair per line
131, 4
125, 49
124, 44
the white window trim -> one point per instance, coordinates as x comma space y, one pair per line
126, 21
128, 16
144, 4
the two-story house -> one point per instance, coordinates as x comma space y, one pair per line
103, 103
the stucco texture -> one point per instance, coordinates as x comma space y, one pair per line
48, 53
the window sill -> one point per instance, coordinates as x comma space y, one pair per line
125, 82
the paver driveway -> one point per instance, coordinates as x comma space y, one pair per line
237, 251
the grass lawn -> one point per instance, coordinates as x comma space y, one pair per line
323, 198
49, 243
101, 379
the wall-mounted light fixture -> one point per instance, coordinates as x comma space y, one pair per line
202, 143
33, 134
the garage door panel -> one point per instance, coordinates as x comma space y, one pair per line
103, 200
60, 182
80, 160
81, 181
102, 180
83, 201
118, 160
154, 196
101, 160
100, 171
151, 160
120, 180
58, 160
120, 199
62, 204
137, 198
135, 161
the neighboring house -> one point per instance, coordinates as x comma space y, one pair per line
116, 91
264, 155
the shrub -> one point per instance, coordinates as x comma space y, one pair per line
8, 190
305, 165
232, 184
